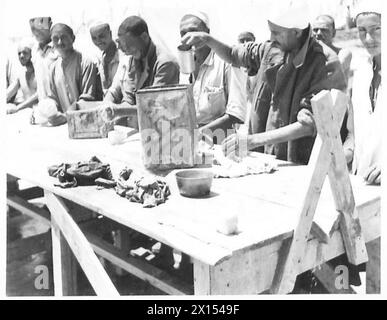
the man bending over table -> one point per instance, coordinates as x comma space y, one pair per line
291, 67
146, 64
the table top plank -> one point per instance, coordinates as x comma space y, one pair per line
267, 205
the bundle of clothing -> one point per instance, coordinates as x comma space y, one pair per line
149, 191
83, 173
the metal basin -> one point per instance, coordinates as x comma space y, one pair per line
194, 183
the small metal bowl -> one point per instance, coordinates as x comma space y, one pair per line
194, 183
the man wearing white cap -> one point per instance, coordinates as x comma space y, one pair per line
73, 77
367, 96
25, 81
108, 62
291, 67
218, 87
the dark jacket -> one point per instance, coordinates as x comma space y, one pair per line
159, 69
285, 87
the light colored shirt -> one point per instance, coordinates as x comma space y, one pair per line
219, 89
367, 122
42, 59
111, 68
71, 80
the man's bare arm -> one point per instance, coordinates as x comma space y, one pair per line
199, 39
12, 90
290, 132
224, 122
28, 103
287, 133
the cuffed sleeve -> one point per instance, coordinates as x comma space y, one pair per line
236, 89
305, 117
247, 56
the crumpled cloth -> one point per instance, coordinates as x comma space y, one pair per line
83, 173
224, 167
146, 190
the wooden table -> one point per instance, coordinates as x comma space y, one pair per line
267, 206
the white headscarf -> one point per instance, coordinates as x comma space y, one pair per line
370, 6
294, 14
200, 15
98, 23
25, 43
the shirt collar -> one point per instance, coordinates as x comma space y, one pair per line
150, 54
210, 59
299, 58
116, 57
46, 47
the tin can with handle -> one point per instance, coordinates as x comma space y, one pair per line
186, 59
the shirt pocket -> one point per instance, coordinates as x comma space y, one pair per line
215, 101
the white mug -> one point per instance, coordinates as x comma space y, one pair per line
116, 137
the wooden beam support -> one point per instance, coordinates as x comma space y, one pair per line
327, 276
64, 265
202, 278
328, 160
80, 247
29, 209
287, 273
339, 176
142, 270
31, 193
373, 267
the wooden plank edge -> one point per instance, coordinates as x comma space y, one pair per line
80, 247
153, 275
29, 209
31, 193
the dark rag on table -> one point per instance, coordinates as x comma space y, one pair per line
148, 191
83, 173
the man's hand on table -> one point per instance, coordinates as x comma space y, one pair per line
373, 175
205, 137
12, 108
57, 119
107, 111
237, 145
